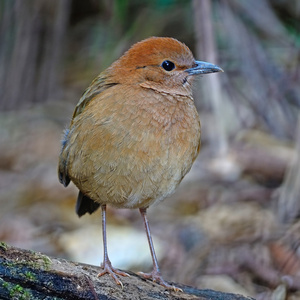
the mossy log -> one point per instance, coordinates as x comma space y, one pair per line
31, 275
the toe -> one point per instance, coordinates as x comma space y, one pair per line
157, 277
108, 269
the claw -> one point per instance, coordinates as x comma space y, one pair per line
109, 269
156, 277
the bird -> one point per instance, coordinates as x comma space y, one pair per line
134, 135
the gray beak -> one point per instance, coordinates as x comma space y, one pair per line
203, 67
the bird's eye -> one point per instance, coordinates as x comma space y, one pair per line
168, 65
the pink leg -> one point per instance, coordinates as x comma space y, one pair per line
106, 265
155, 274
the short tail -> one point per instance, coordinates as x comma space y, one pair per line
85, 205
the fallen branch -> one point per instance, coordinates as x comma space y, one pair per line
31, 275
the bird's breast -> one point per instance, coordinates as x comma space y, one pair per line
135, 152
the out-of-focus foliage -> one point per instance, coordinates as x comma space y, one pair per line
46, 44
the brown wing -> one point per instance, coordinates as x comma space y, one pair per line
99, 84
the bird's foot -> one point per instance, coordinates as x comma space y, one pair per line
109, 269
157, 277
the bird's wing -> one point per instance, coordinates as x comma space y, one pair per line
99, 84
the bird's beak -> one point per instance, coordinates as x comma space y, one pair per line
203, 67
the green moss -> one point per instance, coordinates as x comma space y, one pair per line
3, 245
8, 264
38, 261
30, 276
16, 291
47, 262
42, 261
4, 284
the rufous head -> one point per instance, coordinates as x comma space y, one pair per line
160, 63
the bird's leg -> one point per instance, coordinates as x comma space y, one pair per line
155, 274
106, 265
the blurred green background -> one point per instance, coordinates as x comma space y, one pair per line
233, 224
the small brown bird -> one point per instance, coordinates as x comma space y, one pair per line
134, 135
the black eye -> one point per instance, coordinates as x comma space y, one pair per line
168, 65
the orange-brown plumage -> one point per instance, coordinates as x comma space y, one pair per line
135, 132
